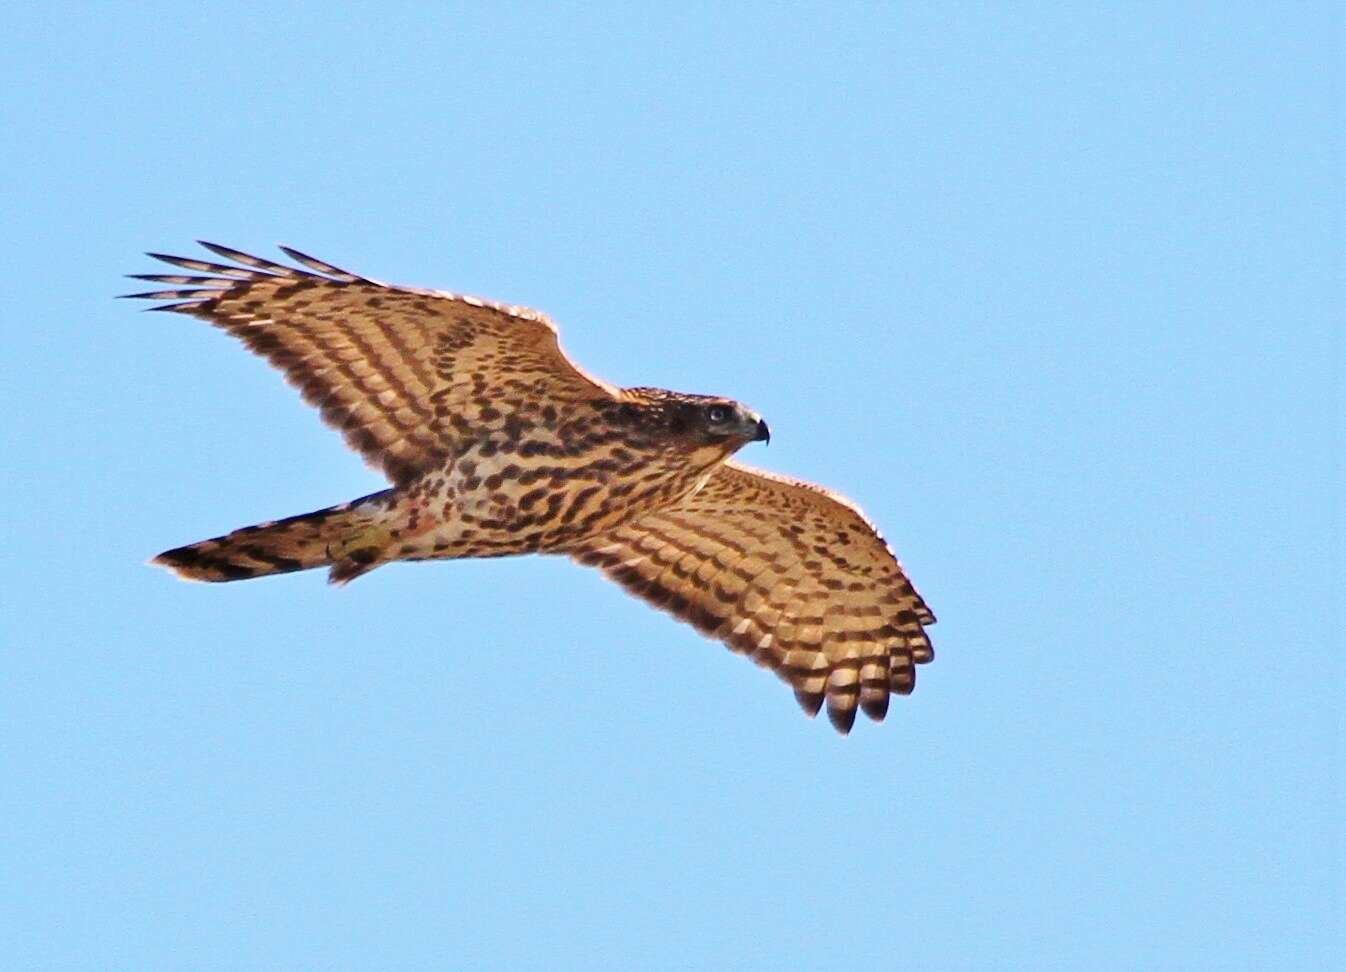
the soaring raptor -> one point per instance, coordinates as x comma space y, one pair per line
496, 443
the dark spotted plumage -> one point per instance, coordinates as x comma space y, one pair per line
497, 444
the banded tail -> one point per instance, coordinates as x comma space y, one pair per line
349, 538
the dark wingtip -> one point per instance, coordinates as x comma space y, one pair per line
184, 307
842, 718
163, 294
321, 266
875, 708
810, 702
229, 253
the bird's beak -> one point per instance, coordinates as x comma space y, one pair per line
763, 433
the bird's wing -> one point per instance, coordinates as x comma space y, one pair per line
405, 374
788, 573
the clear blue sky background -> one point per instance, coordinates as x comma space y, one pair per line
1054, 293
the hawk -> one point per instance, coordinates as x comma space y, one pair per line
496, 444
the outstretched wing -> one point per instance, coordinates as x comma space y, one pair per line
790, 574
405, 374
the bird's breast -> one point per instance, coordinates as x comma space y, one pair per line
551, 493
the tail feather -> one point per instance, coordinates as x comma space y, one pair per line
347, 538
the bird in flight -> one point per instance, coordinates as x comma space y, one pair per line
496, 443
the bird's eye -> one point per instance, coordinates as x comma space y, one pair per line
717, 414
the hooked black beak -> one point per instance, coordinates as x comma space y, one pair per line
763, 433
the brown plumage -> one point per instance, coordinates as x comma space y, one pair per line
497, 444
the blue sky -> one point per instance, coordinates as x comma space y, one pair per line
1054, 293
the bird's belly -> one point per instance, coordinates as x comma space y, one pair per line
498, 505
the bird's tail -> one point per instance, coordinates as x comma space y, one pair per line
349, 538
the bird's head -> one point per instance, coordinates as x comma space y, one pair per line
696, 421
